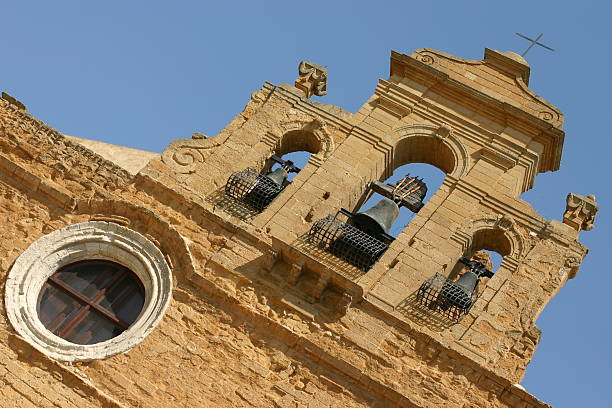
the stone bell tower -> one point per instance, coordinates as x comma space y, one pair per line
479, 123
281, 294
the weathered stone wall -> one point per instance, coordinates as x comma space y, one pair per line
261, 318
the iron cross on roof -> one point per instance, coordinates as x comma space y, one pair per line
533, 42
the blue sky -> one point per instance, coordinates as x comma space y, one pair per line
142, 74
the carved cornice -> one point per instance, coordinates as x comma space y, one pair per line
431, 68
510, 64
528, 220
463, 128
37, 187
393, 107
14, 102
394, 100
40, 134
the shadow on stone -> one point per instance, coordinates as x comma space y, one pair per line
303, 244
220, 200
412, 308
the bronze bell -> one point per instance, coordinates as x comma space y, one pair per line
265, 188
378, 219
278, 176
459, 293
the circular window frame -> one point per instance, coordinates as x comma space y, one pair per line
78, 242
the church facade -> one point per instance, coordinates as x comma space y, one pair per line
203, 277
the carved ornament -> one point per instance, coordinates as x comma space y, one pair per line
312, 79
444, 131
580, 212
572, 263
505, 222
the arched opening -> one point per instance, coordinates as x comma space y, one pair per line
492, 242
296, 146
257, 188
299, 159
424, 156
424, 149
488, 247
454, 295
373, 222
431, 176
299, 140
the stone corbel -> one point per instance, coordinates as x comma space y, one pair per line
345, 303
502, 159
319, 287
269, 259
392, 107
572, 263
295, 271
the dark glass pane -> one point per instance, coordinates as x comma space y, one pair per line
92, 328
56, 308
88, 278
115, 295
124, 300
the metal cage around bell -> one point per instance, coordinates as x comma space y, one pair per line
445, 297
252, 188
347, 242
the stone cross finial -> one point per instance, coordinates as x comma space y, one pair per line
312, 79
580, 211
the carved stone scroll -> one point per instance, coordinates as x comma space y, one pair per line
312, 79
580, 212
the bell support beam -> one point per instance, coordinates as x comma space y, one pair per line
387, 191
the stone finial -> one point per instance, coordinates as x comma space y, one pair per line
580, 211
312, 79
